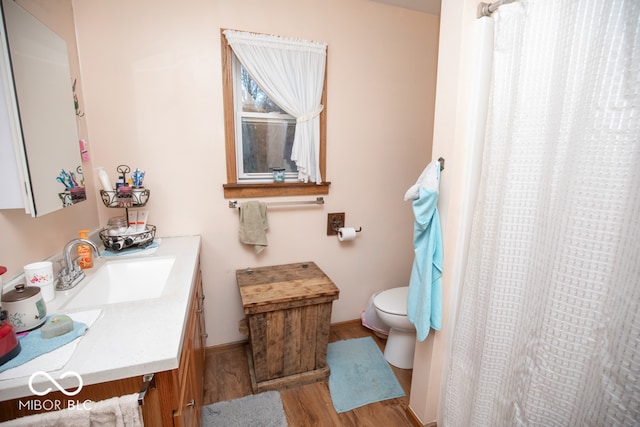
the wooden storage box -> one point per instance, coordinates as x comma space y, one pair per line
288, 312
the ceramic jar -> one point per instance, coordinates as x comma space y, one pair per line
25, 307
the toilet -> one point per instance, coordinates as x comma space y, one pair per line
391, 308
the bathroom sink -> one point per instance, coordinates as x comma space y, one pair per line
123, 281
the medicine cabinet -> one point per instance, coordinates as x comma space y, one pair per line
38, 129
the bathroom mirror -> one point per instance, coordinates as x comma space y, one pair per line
41, 116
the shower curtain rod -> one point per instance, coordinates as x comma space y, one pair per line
486, 9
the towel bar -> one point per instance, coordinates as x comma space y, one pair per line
148, 381
318, 201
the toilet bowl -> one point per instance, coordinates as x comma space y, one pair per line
391, 307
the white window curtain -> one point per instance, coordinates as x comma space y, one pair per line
291, 73
547, 330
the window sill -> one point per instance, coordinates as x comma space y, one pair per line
275, 190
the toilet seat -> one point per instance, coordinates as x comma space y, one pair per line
393, 301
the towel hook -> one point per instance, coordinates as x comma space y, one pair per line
148, 381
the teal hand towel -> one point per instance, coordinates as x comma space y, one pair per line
33, 345
424, 303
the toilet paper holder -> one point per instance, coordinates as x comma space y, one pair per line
336, 221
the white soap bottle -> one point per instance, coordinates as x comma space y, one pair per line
103, 176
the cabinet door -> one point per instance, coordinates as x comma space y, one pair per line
188, 413
192, 369
199, 342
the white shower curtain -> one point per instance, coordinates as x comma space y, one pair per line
547, 331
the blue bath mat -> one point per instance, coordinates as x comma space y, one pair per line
359, 374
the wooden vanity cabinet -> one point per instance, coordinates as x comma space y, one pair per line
182, 389
177, 397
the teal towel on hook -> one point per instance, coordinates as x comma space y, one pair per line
424, 303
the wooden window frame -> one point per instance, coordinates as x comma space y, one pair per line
234, 189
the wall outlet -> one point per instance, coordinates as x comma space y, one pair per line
334, 221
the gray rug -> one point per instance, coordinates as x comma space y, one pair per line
256, 410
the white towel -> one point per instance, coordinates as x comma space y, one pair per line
121, 411
131, 410
106, 413
62, 418
429, 179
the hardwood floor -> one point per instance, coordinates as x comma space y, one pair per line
227, 377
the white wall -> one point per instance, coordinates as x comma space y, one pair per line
153, 99
451, 140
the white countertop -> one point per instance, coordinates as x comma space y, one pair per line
128, 339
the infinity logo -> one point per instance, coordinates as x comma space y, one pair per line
58, 386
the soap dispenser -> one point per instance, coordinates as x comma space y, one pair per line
84, 252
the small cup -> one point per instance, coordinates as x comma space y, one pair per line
41, 274
78, 194
278, 174
125, 197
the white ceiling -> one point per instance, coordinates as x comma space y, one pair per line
431, 7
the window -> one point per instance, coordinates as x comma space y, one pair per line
266, 132
259, 137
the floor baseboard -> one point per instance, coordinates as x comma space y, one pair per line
222, 348
416, 421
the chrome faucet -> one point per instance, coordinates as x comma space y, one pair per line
71, 274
